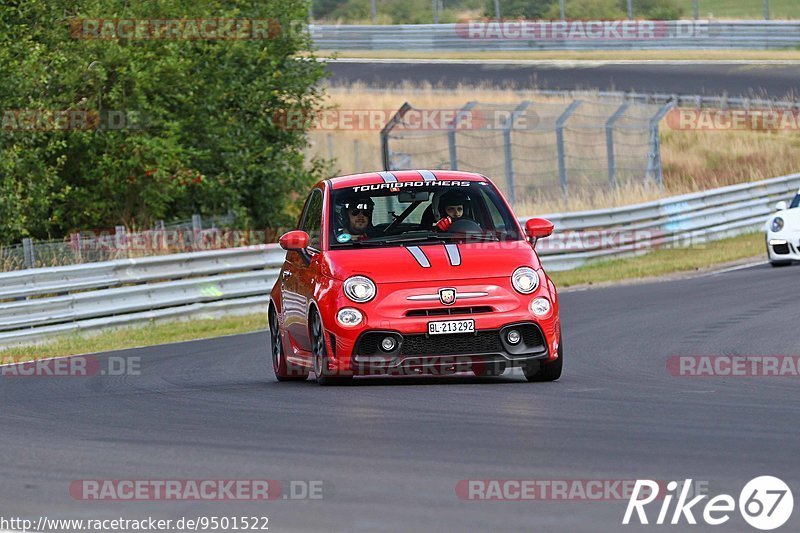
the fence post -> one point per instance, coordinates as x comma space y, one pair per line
28, 255
120, 239
508, 152
387, 129
77, 245
451, 134
612, 162
562, 162
654, 169
197, 228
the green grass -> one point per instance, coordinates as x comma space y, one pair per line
745, 9
131, 337
663, 262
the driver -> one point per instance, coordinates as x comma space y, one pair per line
451, 208
357, 217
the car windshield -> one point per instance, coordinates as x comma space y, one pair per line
393, 214
795, 201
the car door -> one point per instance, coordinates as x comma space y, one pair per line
301, 274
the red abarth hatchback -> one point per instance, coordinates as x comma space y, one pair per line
412, 272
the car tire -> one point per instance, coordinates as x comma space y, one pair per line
319, 352
485, 369
780, 263
284, 370
538, 371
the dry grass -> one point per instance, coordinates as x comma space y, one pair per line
696, 161
692, 160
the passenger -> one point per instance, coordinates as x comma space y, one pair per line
357, 217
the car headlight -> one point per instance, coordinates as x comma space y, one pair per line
359, 289
540, 306
349, 316
525, 280
777, 224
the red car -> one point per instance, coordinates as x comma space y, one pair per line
412, 272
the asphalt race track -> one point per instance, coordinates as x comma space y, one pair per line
736, 79
390, 451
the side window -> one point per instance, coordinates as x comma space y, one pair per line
497, 218
312, 219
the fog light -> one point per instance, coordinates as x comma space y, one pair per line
388, 344
540, 306
513, 336
349, 316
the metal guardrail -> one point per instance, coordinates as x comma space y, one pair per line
44, 302
573, 35
686, 220
40, 303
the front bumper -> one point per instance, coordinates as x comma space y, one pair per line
404, 311
783, 247
452, 352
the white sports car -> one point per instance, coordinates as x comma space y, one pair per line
783, 233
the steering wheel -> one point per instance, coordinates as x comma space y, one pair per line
465, 225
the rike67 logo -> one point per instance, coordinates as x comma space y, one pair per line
765, 503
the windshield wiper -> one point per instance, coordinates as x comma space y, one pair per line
402, 238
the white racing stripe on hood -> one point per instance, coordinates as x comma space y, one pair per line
420, 256
453, 255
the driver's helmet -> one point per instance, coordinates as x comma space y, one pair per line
454, 197
361, 202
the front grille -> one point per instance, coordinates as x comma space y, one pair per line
781, 249
531, 335
458, 344
369, 343
447, 311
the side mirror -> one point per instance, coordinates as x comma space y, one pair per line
538, 228
780, 206
296, 241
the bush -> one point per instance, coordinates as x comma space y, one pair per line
205, 140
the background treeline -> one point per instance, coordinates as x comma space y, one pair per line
421, 11
204, 140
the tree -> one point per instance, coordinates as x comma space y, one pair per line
527, 9
186, 125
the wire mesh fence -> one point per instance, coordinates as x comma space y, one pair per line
197, 233
536, 149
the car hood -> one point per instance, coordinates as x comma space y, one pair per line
399, 264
